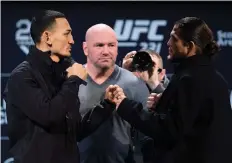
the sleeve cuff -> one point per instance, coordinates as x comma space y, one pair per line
76, 79
128, 106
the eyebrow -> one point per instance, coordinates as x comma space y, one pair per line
97, 43
173, 35
68, 30
112, 43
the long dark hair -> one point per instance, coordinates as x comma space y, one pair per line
196, 30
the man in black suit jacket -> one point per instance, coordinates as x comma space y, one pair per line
193, 117
44, 122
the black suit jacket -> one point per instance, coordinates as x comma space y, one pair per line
193, 118
44, 122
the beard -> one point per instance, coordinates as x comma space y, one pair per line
176, 56
104, 66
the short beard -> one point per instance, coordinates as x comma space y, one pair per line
104, 68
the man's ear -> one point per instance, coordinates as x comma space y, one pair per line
191, 47
47, 37
85, 48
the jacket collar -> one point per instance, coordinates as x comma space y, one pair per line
40, 60
43, 62
185, 63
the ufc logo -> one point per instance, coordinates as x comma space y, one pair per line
130, 30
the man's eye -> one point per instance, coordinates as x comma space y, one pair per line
99, 45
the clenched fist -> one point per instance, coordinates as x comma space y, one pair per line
77, 70
115, 94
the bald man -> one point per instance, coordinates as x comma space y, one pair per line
111, 143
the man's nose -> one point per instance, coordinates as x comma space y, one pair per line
71, 41
105, 50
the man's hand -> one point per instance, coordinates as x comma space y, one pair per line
77, 70
115, 94
153, 100
127, 60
